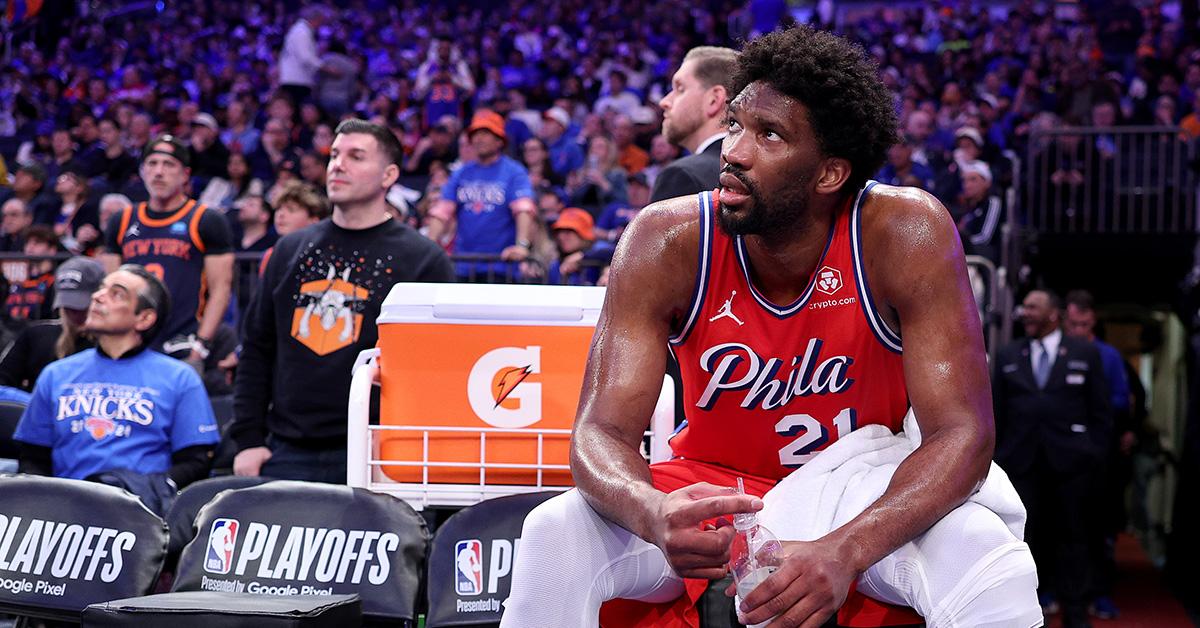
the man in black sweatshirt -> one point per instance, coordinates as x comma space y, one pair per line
322, 288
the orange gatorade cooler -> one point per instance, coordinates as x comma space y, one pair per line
475, 358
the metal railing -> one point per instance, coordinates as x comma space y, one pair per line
1111, 180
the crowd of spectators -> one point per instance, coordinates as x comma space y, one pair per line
257, 91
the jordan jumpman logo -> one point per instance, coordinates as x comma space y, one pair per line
727, 310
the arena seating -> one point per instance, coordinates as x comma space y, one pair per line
470, 563
10, 415
298, 538
65, 544
181, 519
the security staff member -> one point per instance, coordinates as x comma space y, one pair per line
1053, 420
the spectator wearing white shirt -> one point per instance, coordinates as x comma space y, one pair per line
619, 99
299, 61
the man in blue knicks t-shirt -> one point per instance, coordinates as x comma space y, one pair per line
118, 407
491, 202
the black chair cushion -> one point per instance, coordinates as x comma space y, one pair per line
207, 609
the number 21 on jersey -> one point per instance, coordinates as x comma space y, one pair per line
812, 435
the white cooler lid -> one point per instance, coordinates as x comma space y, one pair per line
492, 304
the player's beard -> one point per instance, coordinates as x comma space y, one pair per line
778, 217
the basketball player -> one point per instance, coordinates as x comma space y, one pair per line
182, 243
829, 269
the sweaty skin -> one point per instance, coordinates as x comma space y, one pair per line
915, 266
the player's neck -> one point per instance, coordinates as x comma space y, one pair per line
358, 216
170, 203
781, 265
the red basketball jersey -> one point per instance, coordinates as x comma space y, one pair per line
767, 386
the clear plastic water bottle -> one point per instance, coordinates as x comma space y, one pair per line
754, 555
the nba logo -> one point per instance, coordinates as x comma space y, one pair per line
468, 567
221, 541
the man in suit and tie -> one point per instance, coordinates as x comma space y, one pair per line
693, 112
1053, 422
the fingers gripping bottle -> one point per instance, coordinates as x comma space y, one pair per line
754, 555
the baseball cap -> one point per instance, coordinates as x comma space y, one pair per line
559, 115
176, 150
35, 170
577, 220
490, 121
205, 120
970, 133
978, 167
75, 281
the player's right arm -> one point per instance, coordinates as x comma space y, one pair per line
649, 293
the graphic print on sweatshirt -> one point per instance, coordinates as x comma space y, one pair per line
335, 286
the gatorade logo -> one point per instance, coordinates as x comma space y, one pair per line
498, 390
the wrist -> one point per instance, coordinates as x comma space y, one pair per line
647, 518
525, 244
849, 551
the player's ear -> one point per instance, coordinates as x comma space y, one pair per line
832, 174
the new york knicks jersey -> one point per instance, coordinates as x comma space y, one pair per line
172, 249
768, 386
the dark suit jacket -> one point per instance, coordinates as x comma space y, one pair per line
1070, 420
689, 175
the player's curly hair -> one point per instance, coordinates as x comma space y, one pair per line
849, 108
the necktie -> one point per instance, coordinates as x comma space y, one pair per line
1041, 364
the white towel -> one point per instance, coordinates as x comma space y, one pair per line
971, 569
841, 481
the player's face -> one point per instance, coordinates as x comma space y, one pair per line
358, 171
1079, 323
770, 158
683, 106
164, 175
114, 308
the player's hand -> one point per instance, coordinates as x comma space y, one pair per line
514, 253
809, 587
693, 548
250, 461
